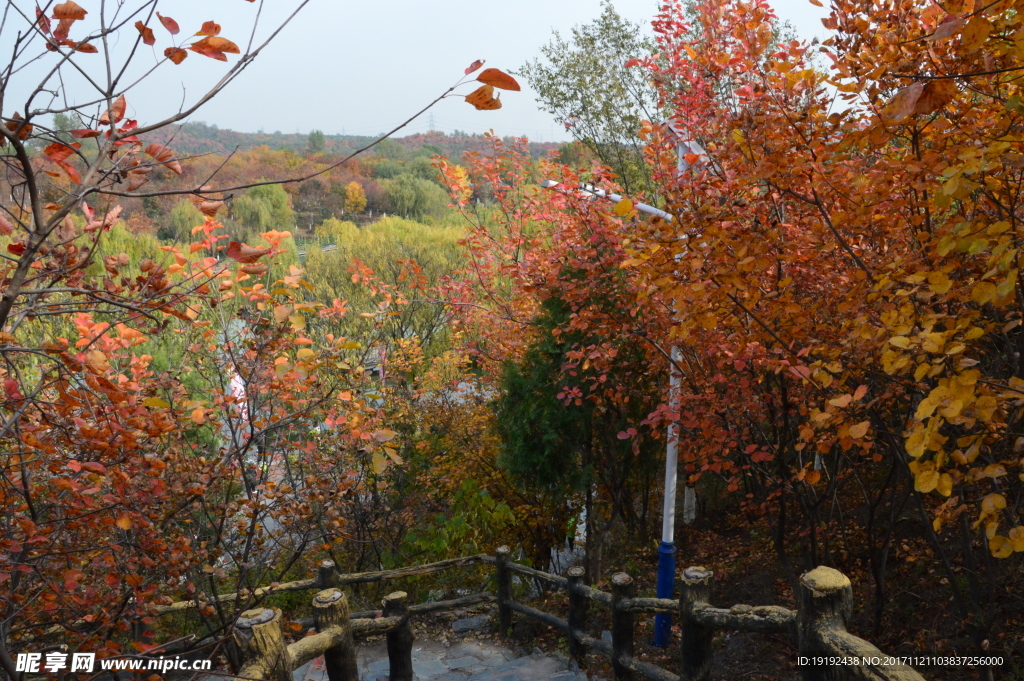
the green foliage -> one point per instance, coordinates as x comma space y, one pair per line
386, 247
316, 143
261, 209
541, 437
414, 197
474, 524
584, 83
180, 221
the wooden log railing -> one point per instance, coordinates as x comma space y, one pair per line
819, 624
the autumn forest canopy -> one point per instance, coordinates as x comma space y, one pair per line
227, 357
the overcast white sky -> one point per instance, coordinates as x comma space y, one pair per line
361, 67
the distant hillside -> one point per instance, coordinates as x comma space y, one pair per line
201, 138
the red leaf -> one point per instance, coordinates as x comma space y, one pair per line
170, 24
16, 249
498, 79
631, 62
175, 54
146, 32
209, 28
43, 21
6, 228
116, 112
474, 66
86, 132
245, 254
57, 152
71, 171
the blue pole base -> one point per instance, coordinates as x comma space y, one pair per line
666, 589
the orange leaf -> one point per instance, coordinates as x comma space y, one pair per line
175, 54
474, 66
951, 27
498, 79
97, 362
124, 522
483, 98
16, 122
245, 254
903, 103
170, 24
84, 47
116, 112
68, 10
936, 94
259, 268
71, 171
209, 28
57, 152
146, 32
214, 47
164, 155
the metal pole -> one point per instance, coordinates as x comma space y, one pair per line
667, 549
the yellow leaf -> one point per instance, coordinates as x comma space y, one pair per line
1017, 538
155, 402
992, 503
297, 321
900, 341
97, 362
995, 471
1000, 546
860, 430
939, 282
384, 435
916, 443
983, 292
623, 207
305, 353
945, 485
124, 522
380, 463
927, 480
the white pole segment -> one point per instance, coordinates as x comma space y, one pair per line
668, 521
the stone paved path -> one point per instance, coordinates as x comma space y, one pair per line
472, 660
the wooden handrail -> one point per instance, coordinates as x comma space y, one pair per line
327, 579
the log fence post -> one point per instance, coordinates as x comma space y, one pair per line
694, 590
330, 609
501, 557
824, 604
400, 638
258, 634
326, 574
622, 625
578, 607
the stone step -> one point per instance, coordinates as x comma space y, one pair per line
464, 661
